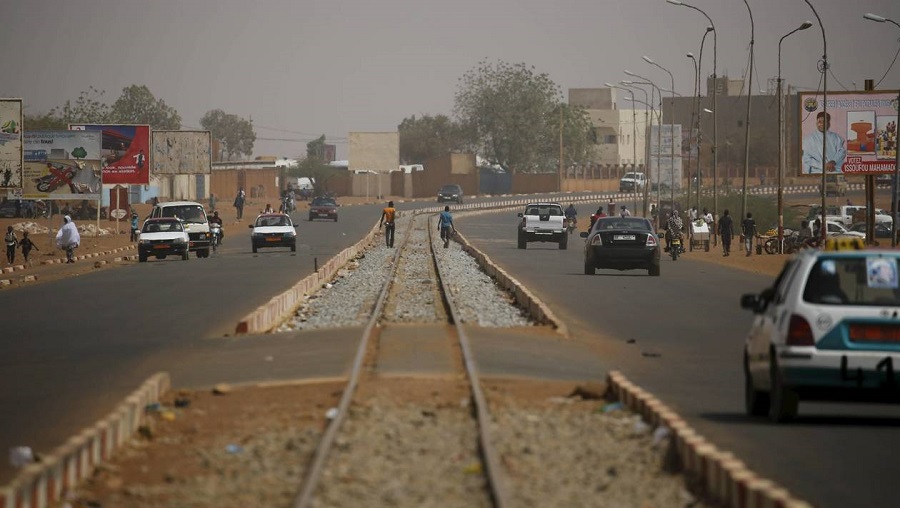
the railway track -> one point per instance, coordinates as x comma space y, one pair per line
474, 477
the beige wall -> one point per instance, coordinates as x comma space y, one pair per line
375, 151
593, 98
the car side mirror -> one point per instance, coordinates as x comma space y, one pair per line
750, 301
583, 234
250, 226
520, 214
296, 225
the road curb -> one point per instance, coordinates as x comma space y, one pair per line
723, 477
43, 484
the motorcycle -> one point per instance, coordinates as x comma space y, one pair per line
215, 231
570, 224
59, 175
675, 248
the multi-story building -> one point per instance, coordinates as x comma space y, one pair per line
619, 134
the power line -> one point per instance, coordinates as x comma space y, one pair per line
889, 67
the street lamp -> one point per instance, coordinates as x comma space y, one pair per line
715, 109
647, 101
690, 136
804, 26
658, 123
699, 137
823, 228
747, 126
633, 141
671, 122
894, 181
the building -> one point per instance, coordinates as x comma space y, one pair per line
620, 134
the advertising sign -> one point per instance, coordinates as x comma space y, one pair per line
10, 144
61, 165
126, 152
860, 130
181, 152
669, 170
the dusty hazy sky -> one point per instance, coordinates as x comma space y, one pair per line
302, 68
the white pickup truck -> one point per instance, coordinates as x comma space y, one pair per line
631, 182
847, 215
543, 222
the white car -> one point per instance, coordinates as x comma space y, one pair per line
827, 329
837, 229
163, 237
273, 230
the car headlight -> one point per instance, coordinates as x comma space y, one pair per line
142, 241
179, 240
290, 234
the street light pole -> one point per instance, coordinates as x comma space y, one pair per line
671, 123
646, 138
804, 26
691, 126
747, 126
715, 93
658, 123
823, 228
699, 115
634, 188
896, 180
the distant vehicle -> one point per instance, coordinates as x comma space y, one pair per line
193, 216
825, 330
835, 184
542, 222
884, 180
163, 237
450, 192
631, 181
882, 230
621, 243
273, 230
323, 208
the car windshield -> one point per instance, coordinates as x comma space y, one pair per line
323, 202
450, 189
273, 221
856, 280
626, 223
187, 213
543, 210
162, 226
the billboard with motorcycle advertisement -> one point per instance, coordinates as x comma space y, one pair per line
181, 152
11, 144
860, 131
61, 165
126, 152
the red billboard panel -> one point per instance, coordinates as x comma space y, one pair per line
126, 152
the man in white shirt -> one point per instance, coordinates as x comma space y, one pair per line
835, 149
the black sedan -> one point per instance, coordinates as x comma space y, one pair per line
621, 243
323, 208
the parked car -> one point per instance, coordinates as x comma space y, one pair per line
825, 330
163, 237
882, 230
450, 192
273, 230
323, 208
621, 243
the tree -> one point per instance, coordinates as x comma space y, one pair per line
137, 105
235, 133
429, 136
514, 115
316, 148
87, 108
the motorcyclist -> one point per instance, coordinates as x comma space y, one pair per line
598, 214
571, 215
215, 219
674, 227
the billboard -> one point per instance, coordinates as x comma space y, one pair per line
61, 165
11, 144
860, 136
669, 170
181, 152
126, 152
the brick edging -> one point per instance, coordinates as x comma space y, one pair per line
44, 483
29, 278
722, 476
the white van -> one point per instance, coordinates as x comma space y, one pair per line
193, 215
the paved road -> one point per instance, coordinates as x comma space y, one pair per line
688, 329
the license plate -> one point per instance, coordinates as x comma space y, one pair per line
273, 239
624, 237
161, 246
323, 215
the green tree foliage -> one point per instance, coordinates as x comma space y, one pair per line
316, 148
235, 133
514, 114
314, 167
87, 108
429, 136
137, 105
79, 153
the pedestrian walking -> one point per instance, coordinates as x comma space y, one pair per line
11, 243
68, 238
134, 226
27, 245
445, 226
239, 203
748, 231
726, 231
387, 220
